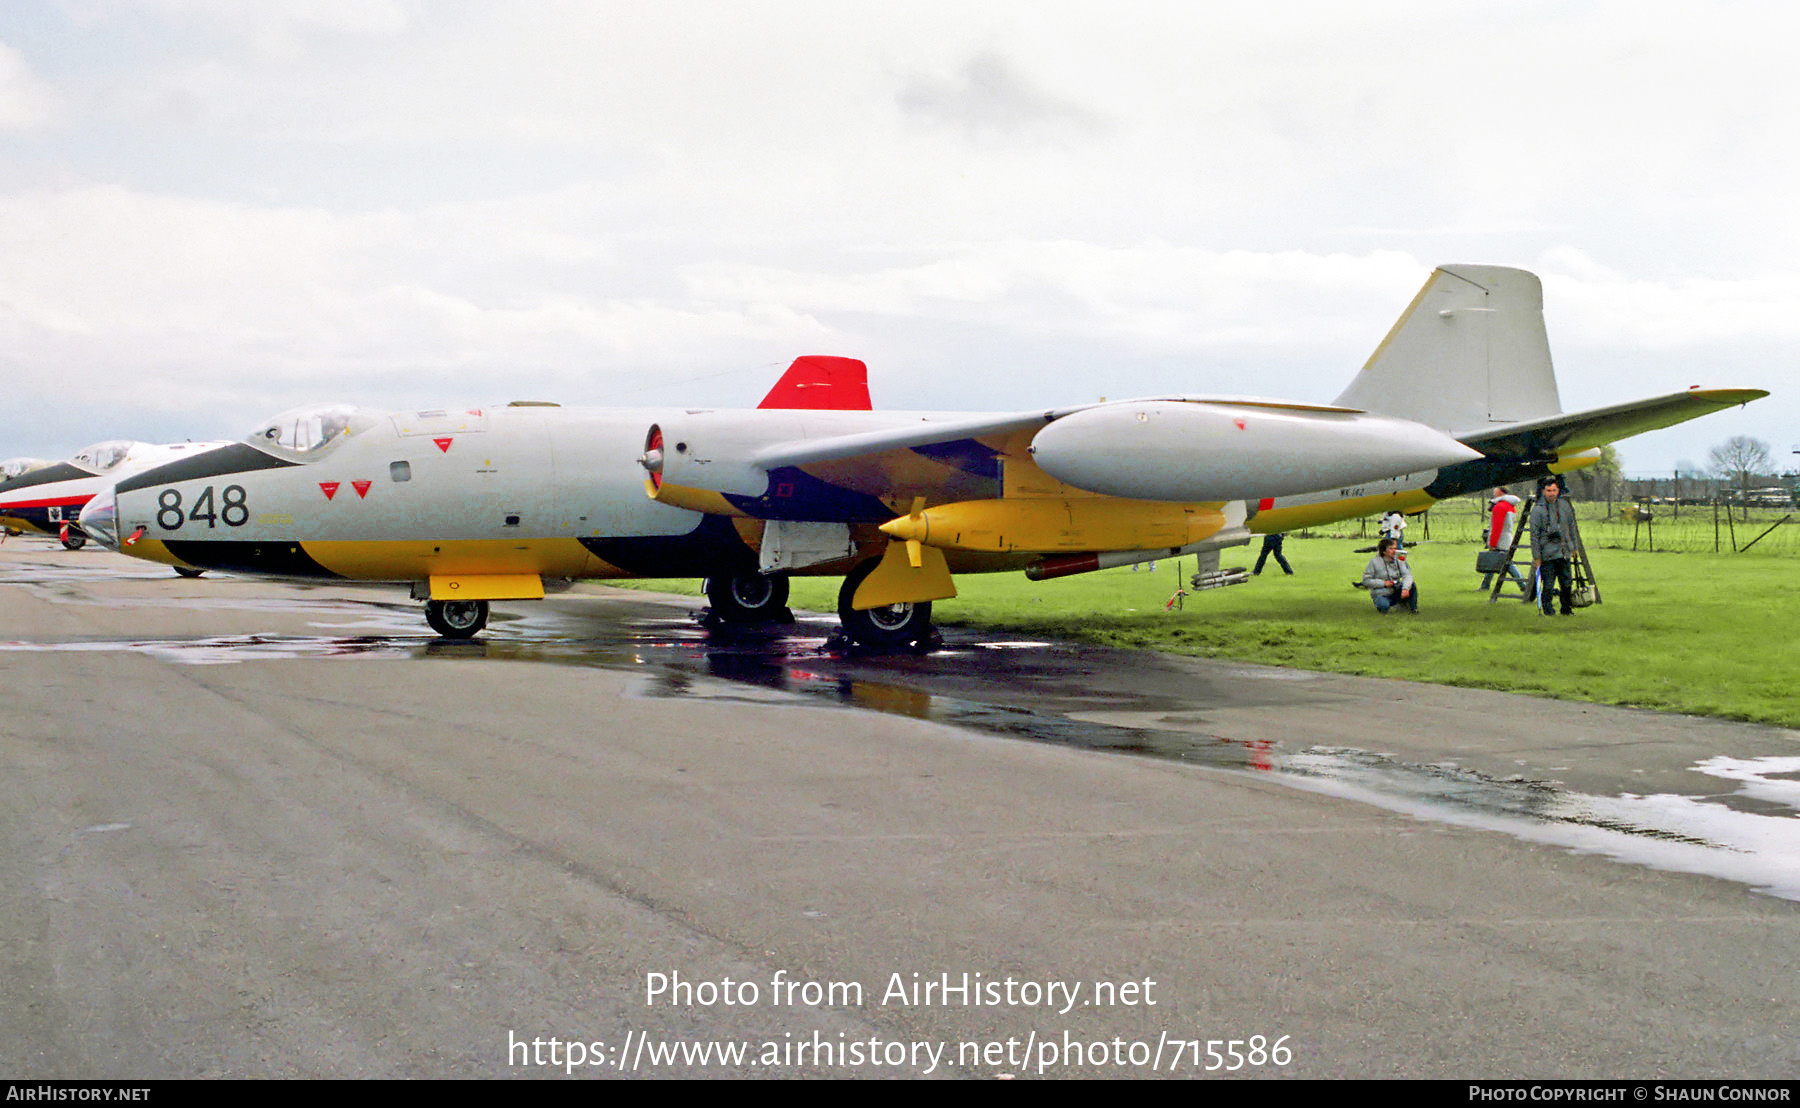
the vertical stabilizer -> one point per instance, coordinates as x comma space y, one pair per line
1469, 353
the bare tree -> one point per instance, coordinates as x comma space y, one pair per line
1740, 458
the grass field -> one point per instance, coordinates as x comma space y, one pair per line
1710, 635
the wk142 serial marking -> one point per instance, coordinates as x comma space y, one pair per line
230, 509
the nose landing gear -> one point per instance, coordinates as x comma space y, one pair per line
456, 619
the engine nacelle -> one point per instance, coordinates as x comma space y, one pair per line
1188, 451
709, 462
699, 456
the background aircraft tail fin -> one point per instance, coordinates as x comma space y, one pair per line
822, 382
1470, 352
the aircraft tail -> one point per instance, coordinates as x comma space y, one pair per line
1470, 352
822, 383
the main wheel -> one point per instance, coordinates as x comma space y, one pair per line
74, 540
748, 597
884, 628
456, 619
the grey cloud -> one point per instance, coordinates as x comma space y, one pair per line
987, 98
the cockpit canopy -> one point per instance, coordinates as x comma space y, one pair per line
303, 432
103, 456
13, 467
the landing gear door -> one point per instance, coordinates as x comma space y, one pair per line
788, 545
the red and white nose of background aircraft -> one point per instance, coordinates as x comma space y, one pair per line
48, 497
475, 504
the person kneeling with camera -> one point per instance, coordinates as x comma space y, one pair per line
1389, 580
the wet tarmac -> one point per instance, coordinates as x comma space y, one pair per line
1286, 846
1041, 692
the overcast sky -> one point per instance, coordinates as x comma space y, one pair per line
212, 210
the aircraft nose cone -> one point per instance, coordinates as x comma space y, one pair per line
100, 519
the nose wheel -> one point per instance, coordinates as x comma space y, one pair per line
456, 619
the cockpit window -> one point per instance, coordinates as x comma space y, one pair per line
103, 456
305, 431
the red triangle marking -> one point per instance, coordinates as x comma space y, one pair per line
444, 444
361, 487
329, 488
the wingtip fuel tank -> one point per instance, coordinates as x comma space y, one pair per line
1188, 450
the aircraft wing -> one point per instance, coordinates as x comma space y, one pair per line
993, 428
1576, 431
1172, 449
924, 433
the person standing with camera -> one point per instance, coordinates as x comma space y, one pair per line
1554, 539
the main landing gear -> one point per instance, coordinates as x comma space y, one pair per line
749, 597
891, 627
73, 539
456, 619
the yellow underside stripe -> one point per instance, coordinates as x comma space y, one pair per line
418, 560
1281, 520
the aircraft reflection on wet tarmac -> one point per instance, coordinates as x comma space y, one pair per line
1750, 836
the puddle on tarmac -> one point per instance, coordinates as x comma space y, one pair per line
53, 575
1717, 836
1750, 836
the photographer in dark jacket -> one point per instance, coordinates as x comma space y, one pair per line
1553, 540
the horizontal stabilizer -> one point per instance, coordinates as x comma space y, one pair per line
1575, 431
